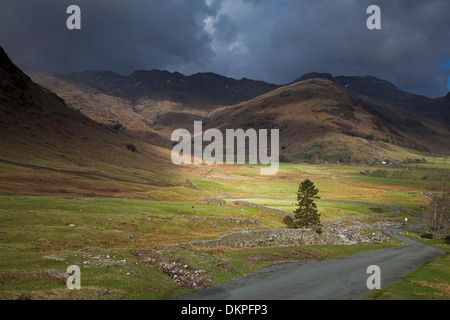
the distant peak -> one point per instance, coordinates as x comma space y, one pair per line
6, 63
314, 75
3, 55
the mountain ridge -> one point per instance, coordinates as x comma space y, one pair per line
387, 92
151, 104
208, 90
173, 85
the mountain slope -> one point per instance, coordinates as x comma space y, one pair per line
386, 92
318, 118
40, 133
148, 104
330, 117
151, 104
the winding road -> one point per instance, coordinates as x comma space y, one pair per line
337, 279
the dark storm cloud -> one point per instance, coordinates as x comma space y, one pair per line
271, 40
116, 35
331, 36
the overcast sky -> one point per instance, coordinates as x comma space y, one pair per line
272, 40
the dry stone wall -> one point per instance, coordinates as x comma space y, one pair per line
337, 234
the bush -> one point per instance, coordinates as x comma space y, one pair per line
131, 148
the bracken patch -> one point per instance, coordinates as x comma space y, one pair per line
443, 287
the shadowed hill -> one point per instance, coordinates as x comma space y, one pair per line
41, 133
148, 104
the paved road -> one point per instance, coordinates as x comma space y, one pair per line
337, 279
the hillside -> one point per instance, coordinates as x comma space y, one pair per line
319, 116
49, 147
319, 119
148, 104
386, 92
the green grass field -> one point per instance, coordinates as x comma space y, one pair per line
100, 233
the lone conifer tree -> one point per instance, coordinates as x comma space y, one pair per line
306, 215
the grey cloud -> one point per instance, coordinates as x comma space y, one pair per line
116, 35
226, 29
331, 36
272, 40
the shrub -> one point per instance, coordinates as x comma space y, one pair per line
131, 148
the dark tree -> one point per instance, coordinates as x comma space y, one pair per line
306, 215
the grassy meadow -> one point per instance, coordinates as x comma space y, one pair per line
101, 231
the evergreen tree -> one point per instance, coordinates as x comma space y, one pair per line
306, 215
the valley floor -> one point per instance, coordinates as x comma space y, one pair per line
129, 247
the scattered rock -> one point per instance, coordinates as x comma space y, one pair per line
57, 274
93, 259
181, 272
54, 258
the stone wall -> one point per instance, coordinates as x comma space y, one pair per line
343, 233
192, 183
218, 201
394, 209
260, 207
266, 238
222, 202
